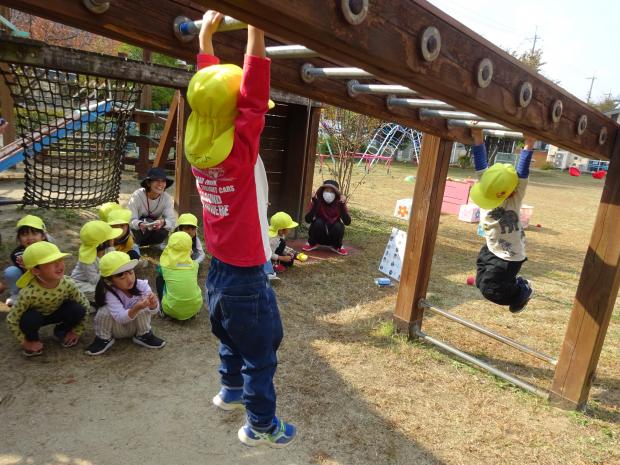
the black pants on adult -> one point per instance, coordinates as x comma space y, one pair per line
67, 317
497, 279
150, 236
324, 234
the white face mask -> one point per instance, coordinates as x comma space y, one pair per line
329, 197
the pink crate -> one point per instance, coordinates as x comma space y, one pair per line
455, 195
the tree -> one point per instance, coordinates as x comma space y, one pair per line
607, 103
531, 58
348, 134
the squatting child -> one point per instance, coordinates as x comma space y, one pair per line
282, 255
188, 223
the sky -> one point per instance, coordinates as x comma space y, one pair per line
579, 38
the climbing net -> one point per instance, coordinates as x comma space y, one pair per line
74, 130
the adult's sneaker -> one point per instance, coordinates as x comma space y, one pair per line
149, 340
281, 435
518, 308
99, 346
229, 399
307, 247
340, 250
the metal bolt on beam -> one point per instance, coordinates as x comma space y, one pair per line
525, 94
354, 88
354, 11
309, 73
484, 74
556, 111
430, 43
582, 124
96, 6
602, 136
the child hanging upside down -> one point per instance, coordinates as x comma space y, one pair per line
499, 194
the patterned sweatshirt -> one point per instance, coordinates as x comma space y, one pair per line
46, 302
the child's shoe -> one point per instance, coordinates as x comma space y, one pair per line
340, 250
10, 301
281, 435
307, 247
529, 293
229, 399
149, 340
32, 353
99, 346
272, 277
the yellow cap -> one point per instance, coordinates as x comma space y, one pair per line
178, 252
93, 234
32, 221
280, 220
36, 254
119, 216
495, 186
187, 219
115, 262
106, 208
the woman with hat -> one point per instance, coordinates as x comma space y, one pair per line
327, 217
47, 297
152, 209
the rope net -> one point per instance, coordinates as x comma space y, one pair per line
74, 130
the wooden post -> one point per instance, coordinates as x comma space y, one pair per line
310, 159
144, 148
167, 135
595, 299
423, 224
185, 195
146, 99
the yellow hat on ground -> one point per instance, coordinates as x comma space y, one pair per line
178, 252
495, 186
31, 221
280, 220
187, 219
115, 262
92, 235
106, 208
119, 216
36, 254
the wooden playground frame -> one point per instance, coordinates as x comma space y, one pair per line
390, 45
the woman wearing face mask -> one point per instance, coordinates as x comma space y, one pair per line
328, 216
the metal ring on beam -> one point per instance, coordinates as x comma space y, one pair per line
354, 88
354, 11
96, 6
582, 124
430, 43
602, 136
393, 102
185, 29
485, 73
556, 111
525, 94
309, 72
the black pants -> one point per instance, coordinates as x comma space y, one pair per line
68, 315
324, 234
280, 251
150, 236
497, 278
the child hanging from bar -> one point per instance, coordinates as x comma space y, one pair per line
499, 194
221, 143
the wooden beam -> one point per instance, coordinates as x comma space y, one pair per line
152, 29
423, 224
146, 98
594, 301
144, 149
388, 44
169, 132
8, 110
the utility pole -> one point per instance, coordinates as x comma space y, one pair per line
534, 39
591, 79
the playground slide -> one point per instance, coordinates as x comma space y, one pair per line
13, 153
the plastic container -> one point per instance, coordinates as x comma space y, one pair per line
525, 215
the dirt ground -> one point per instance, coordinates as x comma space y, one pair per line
358, 394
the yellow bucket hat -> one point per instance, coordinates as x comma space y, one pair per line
212, 94
187, 219
106, 208
32, 221
115, 262
495, 186
178, 252
36, 254
93, 234
119, 216
280, 220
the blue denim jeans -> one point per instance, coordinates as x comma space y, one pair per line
245, 317
11, 275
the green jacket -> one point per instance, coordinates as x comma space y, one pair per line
182, 295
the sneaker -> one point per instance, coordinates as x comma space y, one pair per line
99, 346
273, 277
518, 308
281, 435
32, 353
307, 247
149, 340
340, 250
229, 399
10, 301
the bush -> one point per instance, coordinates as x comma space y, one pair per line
464, 162
547, 166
